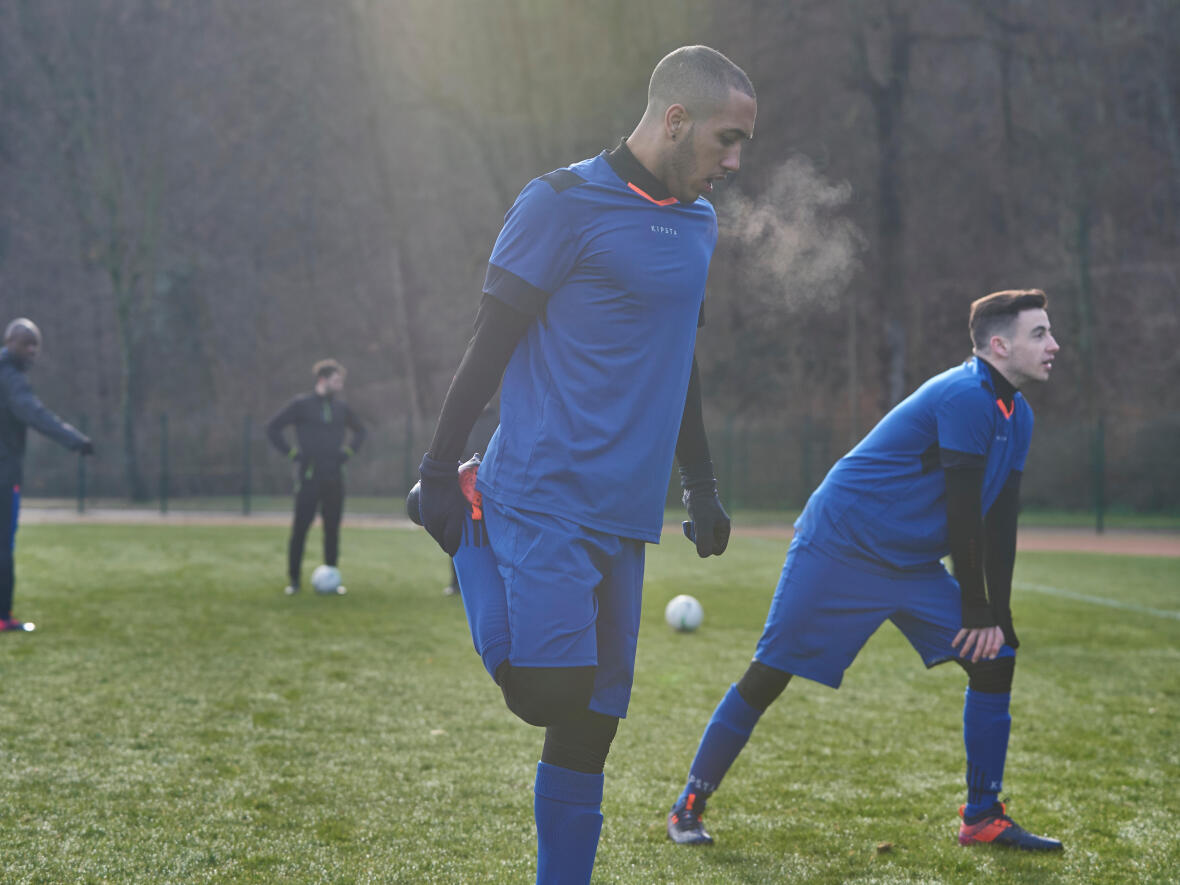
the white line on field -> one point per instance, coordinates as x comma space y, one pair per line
1099, 600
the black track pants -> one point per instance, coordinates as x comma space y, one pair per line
325, 493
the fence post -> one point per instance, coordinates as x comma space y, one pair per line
163, 463
805, 458
409, 464
1100, 475
728, 492
82, 473
246, 466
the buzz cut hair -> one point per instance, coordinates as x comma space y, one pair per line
698, 77
326, 369
21, 329
994, 314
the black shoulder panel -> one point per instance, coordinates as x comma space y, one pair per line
562, 179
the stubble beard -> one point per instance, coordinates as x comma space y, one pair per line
680, 167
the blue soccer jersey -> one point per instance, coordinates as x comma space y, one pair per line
592, 397
885, 501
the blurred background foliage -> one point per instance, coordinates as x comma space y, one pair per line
198, 200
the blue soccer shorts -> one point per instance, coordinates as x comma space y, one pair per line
574, 597
825, 609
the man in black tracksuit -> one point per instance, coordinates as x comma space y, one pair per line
319, 453
19, 410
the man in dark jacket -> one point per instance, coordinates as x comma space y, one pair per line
319, 452
19, 410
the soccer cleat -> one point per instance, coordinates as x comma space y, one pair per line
291, 589
467, 473
413, 509
684, 822
995, 827
12, 625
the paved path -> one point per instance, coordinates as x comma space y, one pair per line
1140, 543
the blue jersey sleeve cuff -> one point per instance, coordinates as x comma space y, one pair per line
505, 286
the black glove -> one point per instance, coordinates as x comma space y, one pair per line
708, 523
441, 503
87, 448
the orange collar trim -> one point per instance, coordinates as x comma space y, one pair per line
649, 197
1005, 410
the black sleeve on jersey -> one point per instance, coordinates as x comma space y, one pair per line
276, 425
1000, 553
692, 446
498, 329
964, 528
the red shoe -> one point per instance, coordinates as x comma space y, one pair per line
995, 827
15, 626
468, 471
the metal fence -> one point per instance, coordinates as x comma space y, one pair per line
197, 460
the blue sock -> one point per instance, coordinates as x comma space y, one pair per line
567, 806
482, 590
727, 732
986, 724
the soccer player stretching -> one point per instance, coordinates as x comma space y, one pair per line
592, 299
939, 474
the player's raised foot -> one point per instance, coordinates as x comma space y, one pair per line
12, 625
994, 827
291, 589
413, 509
468, 472
684, 822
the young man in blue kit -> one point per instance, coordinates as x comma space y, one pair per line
939, 474
593, 295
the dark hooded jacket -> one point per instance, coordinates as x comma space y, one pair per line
19, 410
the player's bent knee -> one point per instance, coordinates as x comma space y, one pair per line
991, 677
581, 742
760, 685
546, 695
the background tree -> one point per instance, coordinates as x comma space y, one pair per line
199, 200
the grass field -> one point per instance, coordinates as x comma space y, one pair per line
175, 718
394, 506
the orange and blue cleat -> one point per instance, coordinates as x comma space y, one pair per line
684, 822
996, 828
468, 471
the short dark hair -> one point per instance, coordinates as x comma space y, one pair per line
697, 77
993, 314
326, 369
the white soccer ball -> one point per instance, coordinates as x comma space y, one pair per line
325, 579
683, 613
